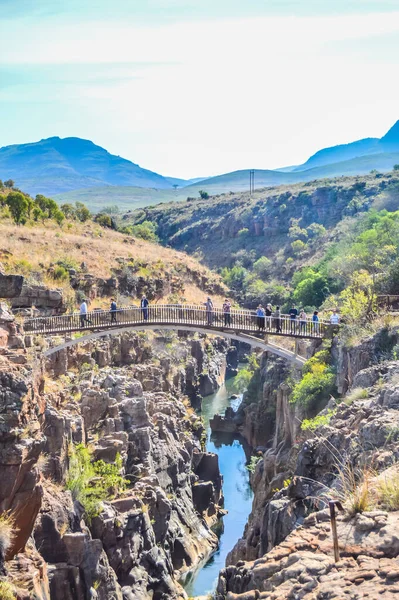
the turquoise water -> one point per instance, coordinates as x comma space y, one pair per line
236, 490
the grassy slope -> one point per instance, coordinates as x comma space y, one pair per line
211, 227
126, 197
31, 249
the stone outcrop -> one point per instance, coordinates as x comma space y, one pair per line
10, 285
303, 565
40, 297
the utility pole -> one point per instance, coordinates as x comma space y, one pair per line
251, 181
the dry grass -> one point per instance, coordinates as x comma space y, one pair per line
35, 247
387, 488
355, 394
7, 531
7, 591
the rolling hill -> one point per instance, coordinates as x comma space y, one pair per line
56, 165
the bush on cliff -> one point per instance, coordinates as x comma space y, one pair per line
317, 384
91, 483
6, 591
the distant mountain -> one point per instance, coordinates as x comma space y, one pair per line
56, 165
337, 154
76, 168
356, 158
390, 141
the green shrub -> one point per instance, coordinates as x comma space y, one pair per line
23, 266
262, 266
68, 263
144, 231
298, 246
317, 421
317, 384
104, 221
60, 273
243, 232
251, 466
91, 483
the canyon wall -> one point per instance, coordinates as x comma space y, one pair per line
124, 398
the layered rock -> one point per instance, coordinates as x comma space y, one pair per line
298, 475
303, 565
120, 396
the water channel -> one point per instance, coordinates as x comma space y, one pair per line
236, 489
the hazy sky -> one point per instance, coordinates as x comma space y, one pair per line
199, 87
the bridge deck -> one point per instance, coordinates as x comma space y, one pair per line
243, 321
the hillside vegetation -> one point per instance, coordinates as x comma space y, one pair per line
318, 244
55, 254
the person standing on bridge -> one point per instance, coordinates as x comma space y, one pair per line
293, 315
315, 321
268, 313
144, 307
83, 314
113, 310
260, 317
302, 321
227, 312
334, 319
209, 311
277, 319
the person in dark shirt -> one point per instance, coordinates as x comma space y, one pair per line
268, 313
144, 307
293, 316
227, 312
113, 310
277, 319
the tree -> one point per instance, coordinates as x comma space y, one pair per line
82, 212
203, 195
298, 246
68, 210
262, 266
104, 220
18, 205
9, 183
145, 231
48, 206
316, 230
312, 291
396, 167
37, 213
58, 216
175, 186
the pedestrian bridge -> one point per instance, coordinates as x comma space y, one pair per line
241, 325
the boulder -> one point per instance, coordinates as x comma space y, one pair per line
10, 285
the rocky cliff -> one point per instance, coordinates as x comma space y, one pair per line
285, 553
124, 398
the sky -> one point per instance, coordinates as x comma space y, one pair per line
193, 88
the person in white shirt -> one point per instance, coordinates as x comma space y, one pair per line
83, 314
334, 319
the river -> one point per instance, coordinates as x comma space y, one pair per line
236, 490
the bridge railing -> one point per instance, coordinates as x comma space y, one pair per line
174, 314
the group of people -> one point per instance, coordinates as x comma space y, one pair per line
113, 310
266, 318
